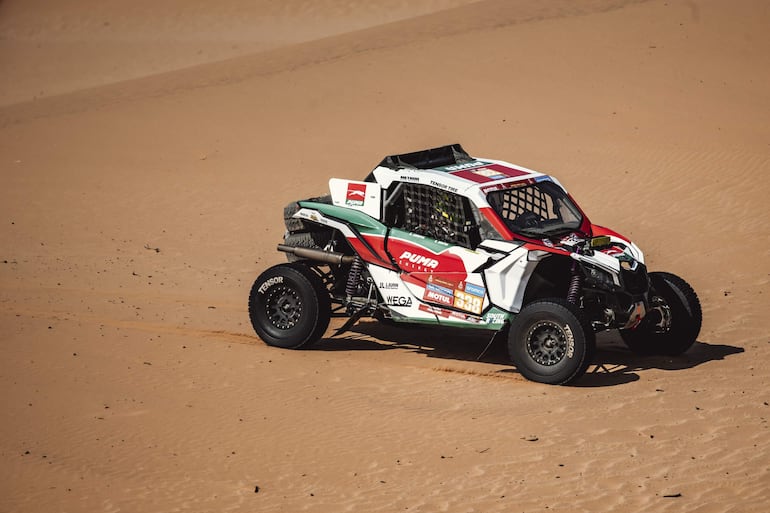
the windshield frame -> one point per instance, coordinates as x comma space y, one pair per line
536, 209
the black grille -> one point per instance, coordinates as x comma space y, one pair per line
635, 282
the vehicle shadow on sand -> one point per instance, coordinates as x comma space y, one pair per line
613, 364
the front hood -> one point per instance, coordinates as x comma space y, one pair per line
609, 255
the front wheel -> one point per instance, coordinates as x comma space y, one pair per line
549, 342
289, 306
673, 323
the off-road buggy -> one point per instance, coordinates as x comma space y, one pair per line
443, 238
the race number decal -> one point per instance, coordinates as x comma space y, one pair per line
467, 302
469, 297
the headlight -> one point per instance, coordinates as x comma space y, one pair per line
599, 277
627, 263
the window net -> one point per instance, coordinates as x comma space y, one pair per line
438, 214
512, 203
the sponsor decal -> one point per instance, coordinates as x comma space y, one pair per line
387, 286
489, 173
494, 318
409, 178
269, 283
486, 189
495, 187
418, 260
438, 288
467, 302
448, 314
469, 297
433, 310
460, 167
465, 317
443, 186
313, 216
356, 195
445, 282
438, 297
475, 290
398, 300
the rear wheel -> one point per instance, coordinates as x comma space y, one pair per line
289, 306
673, 323
549, 342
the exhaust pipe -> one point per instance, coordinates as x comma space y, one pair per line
329, 257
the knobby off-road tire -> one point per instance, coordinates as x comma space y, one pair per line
299, 225
304, 234
289, 306
686, 318
550, 342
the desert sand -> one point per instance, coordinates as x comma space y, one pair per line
147, 150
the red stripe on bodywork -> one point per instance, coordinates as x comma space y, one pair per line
378, 257
496, 222
601, 230
539, 246
403, 251
478, 174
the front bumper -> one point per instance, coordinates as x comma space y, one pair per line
622, 305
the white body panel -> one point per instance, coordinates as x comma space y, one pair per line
507, 279
362, 196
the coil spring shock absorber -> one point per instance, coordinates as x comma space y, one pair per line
575, 285
353, 278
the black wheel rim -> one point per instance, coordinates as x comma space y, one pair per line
546, 343
660, 314
283, 307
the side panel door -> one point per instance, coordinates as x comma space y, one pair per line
441, 276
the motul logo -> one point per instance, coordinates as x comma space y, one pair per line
438, 298
418, 259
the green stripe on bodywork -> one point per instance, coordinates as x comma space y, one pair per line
492, 322
411, 320
436, 246
443, 321
362, 222
496, 318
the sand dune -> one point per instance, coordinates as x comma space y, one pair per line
49, 48
142, 193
